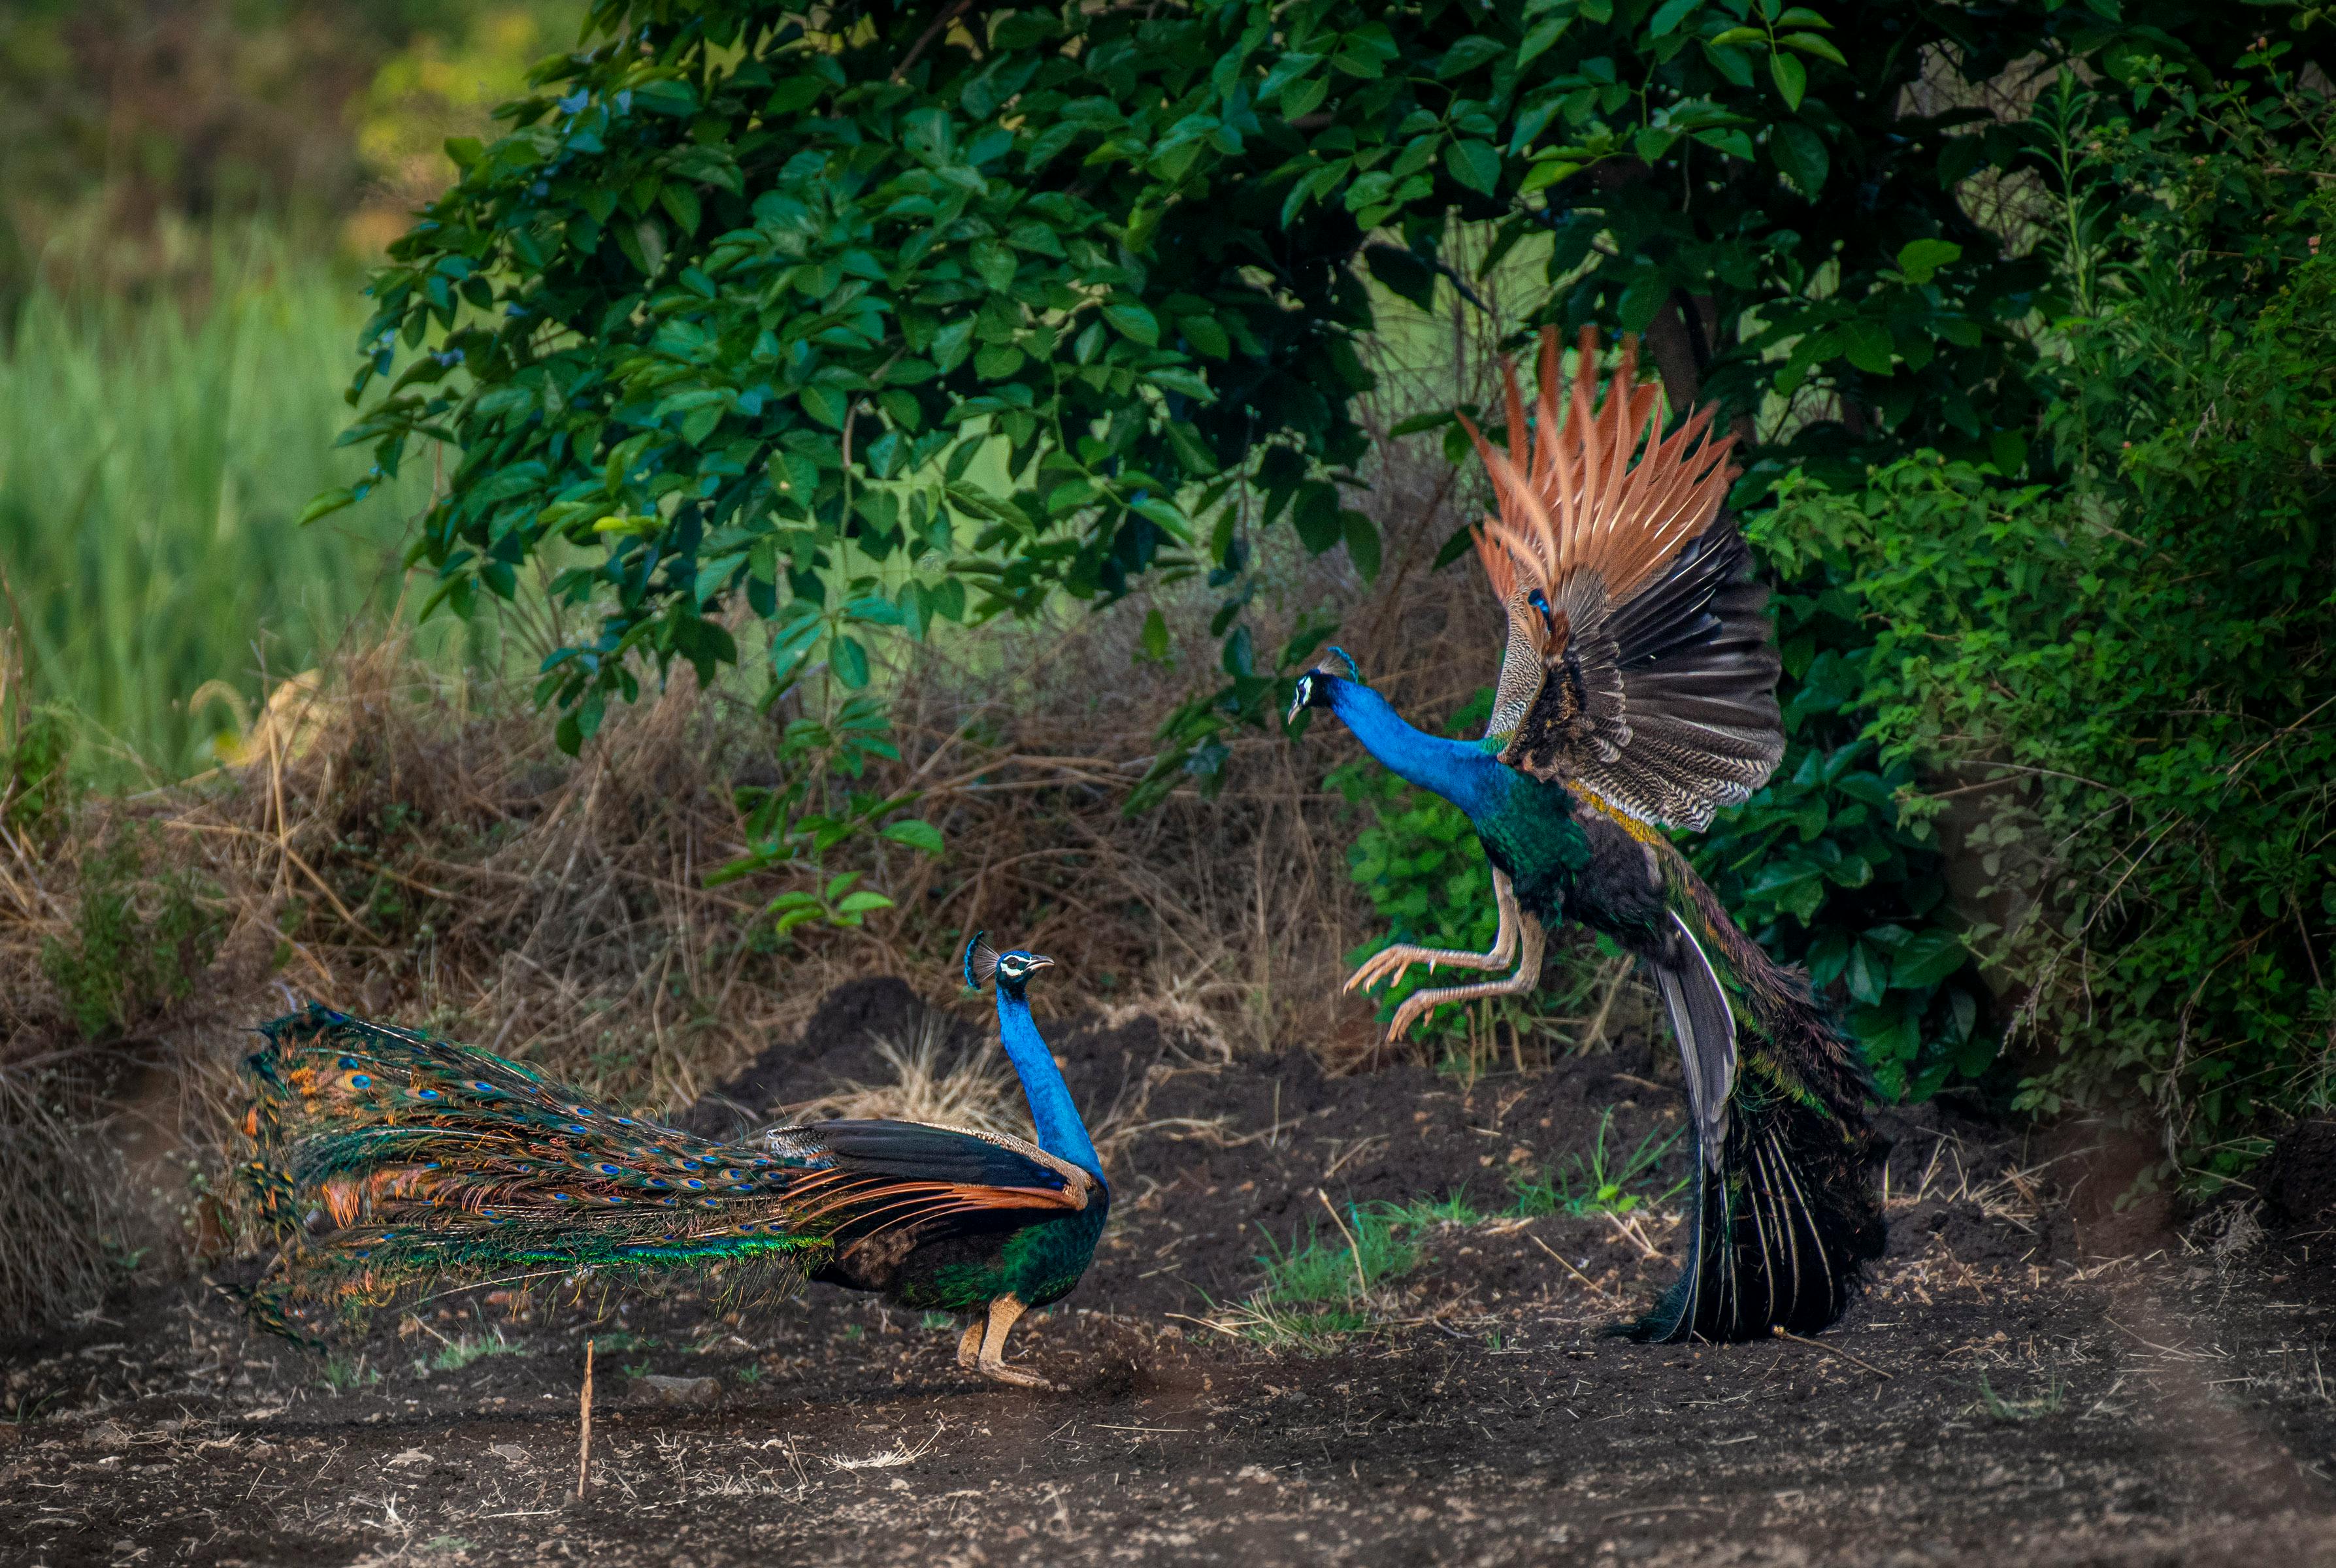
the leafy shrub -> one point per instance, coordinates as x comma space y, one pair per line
136, 944
2126, 677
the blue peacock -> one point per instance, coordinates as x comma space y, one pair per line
387, 1159
1637, 692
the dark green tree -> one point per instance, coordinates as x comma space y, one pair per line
874, 314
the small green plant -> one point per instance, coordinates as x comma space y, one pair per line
1599, 1182
136, 943
750, 1373
1315, 1272
1316, 1292
342, 1375
1424, 1213
456, 1354
35, 783
624, 1340
2049, 1401
931, 1321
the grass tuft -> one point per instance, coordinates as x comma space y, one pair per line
1604, 1181
456, 1354
2051, 1400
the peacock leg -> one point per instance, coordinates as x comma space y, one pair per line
1004, 1313
1388, 964
968, 1346
1528, 975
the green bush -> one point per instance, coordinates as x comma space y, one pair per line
137, 943
2125, 678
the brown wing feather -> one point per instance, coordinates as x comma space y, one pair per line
1655, 678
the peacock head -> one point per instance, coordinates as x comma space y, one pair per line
1313, 690
1012, 969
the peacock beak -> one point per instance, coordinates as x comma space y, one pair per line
1040, 962
1298, 700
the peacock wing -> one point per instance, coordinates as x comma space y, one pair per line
1645, 645
895, 1173
1663, 706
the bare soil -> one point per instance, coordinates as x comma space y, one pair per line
2004, 1394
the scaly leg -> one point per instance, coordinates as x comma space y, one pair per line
1390, 964
1004, 1313
1416, 1006
968, 1346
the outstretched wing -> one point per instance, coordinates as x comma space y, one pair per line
1640, 664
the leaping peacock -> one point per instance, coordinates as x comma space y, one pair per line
388, 1159
1638, 692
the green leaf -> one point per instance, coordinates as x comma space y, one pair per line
1208, 339
1362, 544
326, 504
1539, 40
1867, 345
849, 661
825, 404
863, 902
915, 833
681, 201
1867, 973
1812, 43
1801, 155
1474, 164
1154, 639
1669, 14
1792, 78
1927, 958
1134, 322
1920, 259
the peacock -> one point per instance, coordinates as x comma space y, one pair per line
1637, 692
388, 1159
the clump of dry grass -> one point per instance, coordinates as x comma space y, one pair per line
935, 1079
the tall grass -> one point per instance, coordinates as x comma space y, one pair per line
154, 458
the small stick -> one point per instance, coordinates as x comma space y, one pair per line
584, 1425
1570, 1269
1353, 1248
1782, 1333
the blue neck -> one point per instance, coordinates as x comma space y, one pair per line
1465, 775
1060, 1132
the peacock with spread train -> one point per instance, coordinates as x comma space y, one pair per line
1637, 693
388, 1159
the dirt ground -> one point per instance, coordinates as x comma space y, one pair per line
2033, 1378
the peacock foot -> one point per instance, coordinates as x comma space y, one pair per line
989, 1358
1419, 1004
1389, 965
999, 1372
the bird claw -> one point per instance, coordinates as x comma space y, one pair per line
1388, 965
1415, 1006
999, 1372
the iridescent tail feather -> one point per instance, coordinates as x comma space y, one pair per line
385, 1159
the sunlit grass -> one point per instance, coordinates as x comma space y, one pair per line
154, 460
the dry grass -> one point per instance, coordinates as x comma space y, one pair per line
936, 1080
